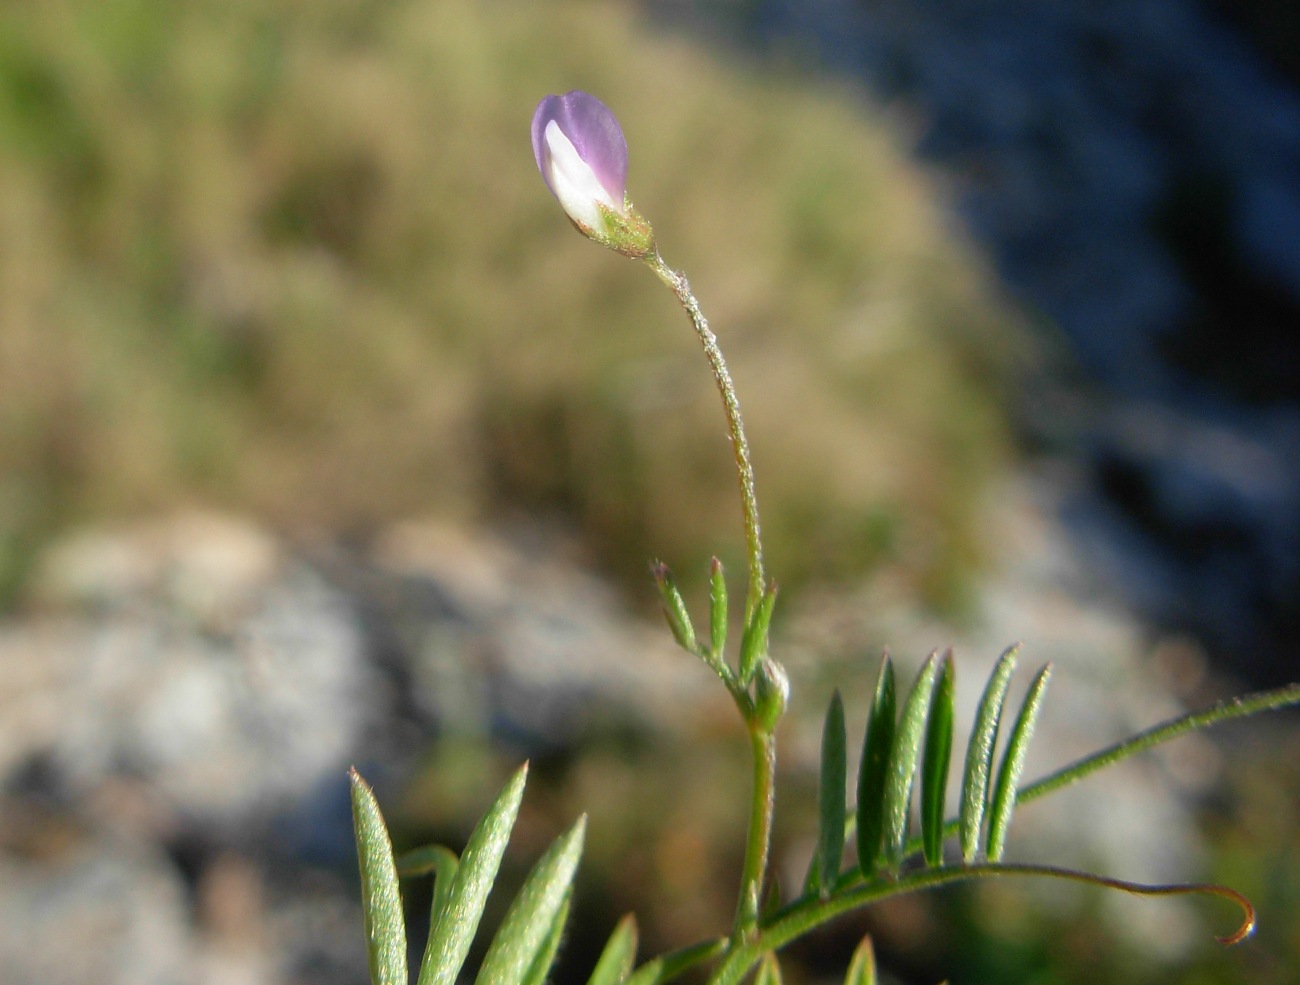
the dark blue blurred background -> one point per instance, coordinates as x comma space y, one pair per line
1133, 167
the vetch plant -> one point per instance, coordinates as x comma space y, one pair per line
906, 749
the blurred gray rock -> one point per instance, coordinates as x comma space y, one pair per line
180, 705
193, 653
111, 911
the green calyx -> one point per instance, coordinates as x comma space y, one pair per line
628, 233
771, 694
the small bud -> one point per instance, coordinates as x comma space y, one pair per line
717, 609
679, 620
753, 644
582, 155
771, 692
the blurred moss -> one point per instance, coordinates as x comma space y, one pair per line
295, 259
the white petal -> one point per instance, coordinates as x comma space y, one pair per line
573, 182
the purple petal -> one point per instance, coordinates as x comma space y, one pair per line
594, 132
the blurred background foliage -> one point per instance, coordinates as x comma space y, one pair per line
295, 259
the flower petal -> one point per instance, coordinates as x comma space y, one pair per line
573, 182
594, 133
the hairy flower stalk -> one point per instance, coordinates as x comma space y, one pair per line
582, 156
735, 425
762, 727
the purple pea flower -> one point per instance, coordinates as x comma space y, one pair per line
582, 155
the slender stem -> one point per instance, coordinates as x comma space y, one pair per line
762, 738
736, 427
1223, 711
808, 913
759, 839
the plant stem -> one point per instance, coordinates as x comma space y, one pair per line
1154, 736
759, 839
762, 738
736, 427
804, 915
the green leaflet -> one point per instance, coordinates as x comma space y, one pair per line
619, 955
670, 597
979, 753
934, 764
772, 898
876, 745
902, 763
458, 918
862, 969
825, 865
545, 956
717, 612
687, 957
753, 642
530, 920
668, 967
769, 971
380, 898
650, 973
1013, 761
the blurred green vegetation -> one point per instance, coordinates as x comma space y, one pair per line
294, 259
